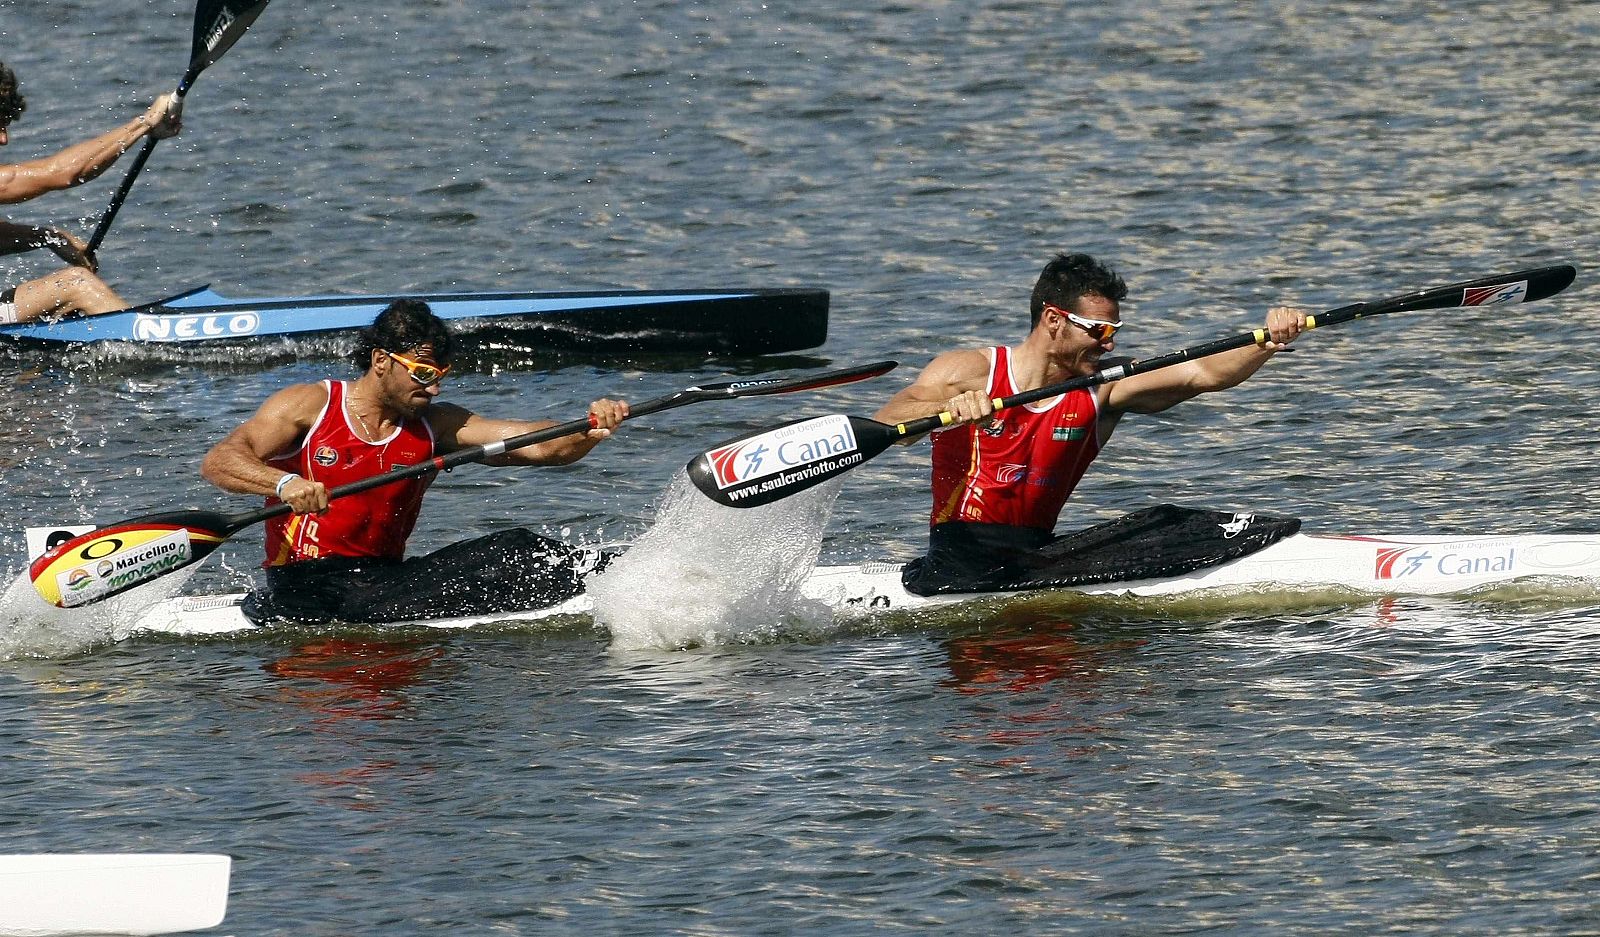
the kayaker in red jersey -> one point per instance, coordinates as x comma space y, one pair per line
1001, 479
75, 289
345, 559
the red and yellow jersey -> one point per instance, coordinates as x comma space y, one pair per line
1020, 469
372, 523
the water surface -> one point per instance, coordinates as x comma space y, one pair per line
1267, 767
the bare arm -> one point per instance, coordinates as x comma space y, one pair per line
956, 381
238, 463
81, 162
1158, 390
459, 428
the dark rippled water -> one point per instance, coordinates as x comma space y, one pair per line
1403, 766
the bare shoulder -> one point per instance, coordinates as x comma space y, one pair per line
282, 418
960, 370
297, 401
948, 375
446, 419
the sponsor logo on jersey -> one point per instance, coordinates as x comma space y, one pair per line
1010, 473
1494, 295
325, 455
1068, 433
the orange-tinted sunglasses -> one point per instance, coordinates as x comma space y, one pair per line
425, 375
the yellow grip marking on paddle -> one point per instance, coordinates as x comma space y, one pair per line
946, 418
1311, 322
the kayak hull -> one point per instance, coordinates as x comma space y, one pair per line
761, 321
1377, 566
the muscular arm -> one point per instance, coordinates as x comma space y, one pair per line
81, 162
238, 463
955, 381
458, 428
1158, 390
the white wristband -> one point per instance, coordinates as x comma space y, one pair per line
277, 490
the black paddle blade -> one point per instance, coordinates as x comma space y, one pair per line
218, 24
1544, 283
109, 561
1524, 286
773, 464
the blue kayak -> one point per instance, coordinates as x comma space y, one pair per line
759, 321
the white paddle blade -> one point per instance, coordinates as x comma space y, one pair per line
768, 466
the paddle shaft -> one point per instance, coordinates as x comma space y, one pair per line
720, 391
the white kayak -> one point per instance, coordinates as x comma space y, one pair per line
1301, 563
111, 893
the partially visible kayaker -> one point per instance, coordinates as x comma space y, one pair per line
75, 289
1000, 479
345, 559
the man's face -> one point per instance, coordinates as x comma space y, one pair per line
1086, 332
404, 374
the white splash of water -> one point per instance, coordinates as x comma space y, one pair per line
32, 627
705, 574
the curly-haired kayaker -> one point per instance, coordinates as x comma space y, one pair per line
345, 559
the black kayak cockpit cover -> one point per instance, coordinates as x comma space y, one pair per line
1153, 543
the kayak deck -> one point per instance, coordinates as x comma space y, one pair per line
1377, 566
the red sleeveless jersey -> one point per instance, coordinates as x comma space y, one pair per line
1020, 470
376, 522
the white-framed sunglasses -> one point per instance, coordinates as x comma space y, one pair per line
1098, 329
